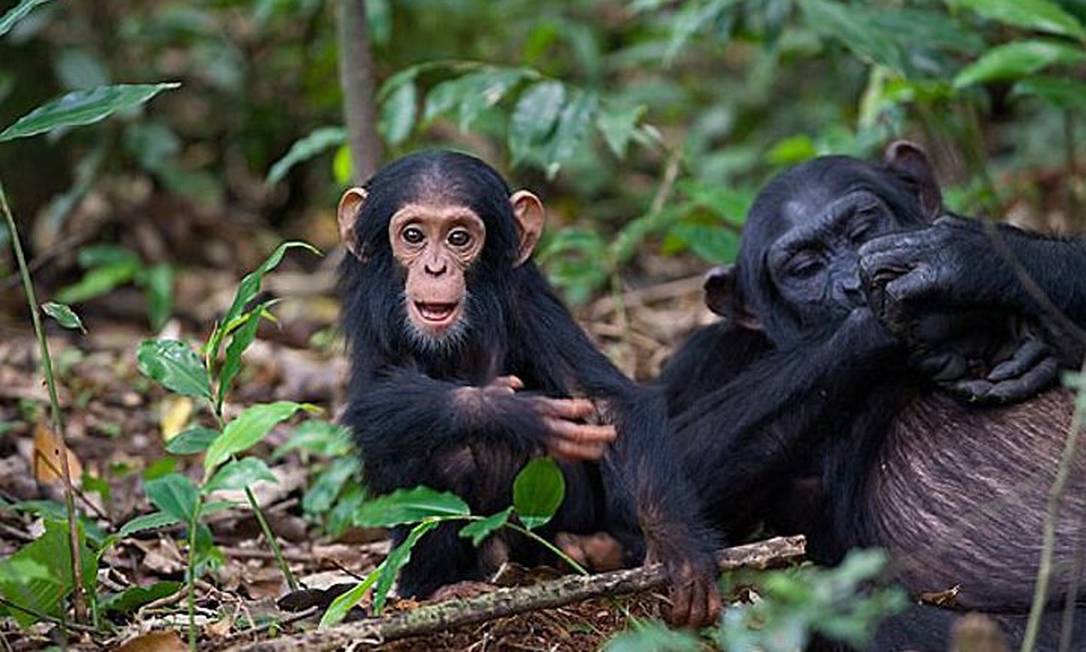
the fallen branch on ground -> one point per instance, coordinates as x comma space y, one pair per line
501, 603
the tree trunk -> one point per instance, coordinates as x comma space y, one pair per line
358, 79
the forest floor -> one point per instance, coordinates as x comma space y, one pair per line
118, 423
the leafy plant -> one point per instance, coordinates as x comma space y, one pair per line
111, 266
178, 368
538, 492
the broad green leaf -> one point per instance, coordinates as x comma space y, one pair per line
64, 315
1058, 91
147, 522
485, 88
101, 255
1040, 15
240, 340
239, 474
319, 437
397, 559
1018, 59
98, 281
83, 108
343, 603
174, 494
135, 597
53, 552
175, 366
655, 637
572, 128
714, 244
409, 506
247, 289
157, 282
322, 493
191, 441
618, 125
538, 492
477, 531
17, 13
534, 118
398, 113
247, 430
303, 149
849, 25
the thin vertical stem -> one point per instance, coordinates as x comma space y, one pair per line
269, 536
78, 602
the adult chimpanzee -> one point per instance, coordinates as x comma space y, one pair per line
803, 377
448, 318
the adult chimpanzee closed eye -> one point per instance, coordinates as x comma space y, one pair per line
803, 378
448, 321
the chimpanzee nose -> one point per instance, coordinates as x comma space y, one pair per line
436, 268
851, 288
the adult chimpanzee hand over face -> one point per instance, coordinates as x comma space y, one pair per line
925, 287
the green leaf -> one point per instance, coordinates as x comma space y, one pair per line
45, 594
319, 437
409, 506
247, 289
247, 430
147, 522
572, 128
398, 113
101, 255
240, 340
64, 315
158, 287
654, 637
239, 474
303, 149
849, 25
17, 13
618, 125
174, 494
175, 366
343, 603
98, 281
83, 108
479, 530
191, 441
538, 492
320, 496
1064, 93
1018, 59
534, 118
1040, 15
397, 559
135, 597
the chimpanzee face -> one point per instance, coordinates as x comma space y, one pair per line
813, 265
448, 221
798, 262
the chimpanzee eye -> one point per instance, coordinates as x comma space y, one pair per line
413, 235
859, 231
459, 238
804, 266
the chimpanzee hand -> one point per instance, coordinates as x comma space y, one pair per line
906, 273
695, 598
571, 438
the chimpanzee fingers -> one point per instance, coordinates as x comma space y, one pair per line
699, 605
716, 604
572, 451
918, 283
512, 383
682, 597
1028, 385
581, 433
1024, 359
567, 408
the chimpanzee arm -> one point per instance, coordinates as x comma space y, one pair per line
963, 262
745, 433
645, 476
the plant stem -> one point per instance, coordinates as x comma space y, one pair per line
1055, 497
78, 603
192, 576
549, 546
269, 536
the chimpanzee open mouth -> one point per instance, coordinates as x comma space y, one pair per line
438, 314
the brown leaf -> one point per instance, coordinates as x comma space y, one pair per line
47, 460
162, 641
175, 411
946, 598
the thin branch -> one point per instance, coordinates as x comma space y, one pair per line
41, 615
506, 602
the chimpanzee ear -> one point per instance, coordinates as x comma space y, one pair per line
529, 213
908, 160
349, 205
722, 296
